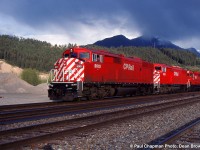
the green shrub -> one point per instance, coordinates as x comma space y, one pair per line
31, 76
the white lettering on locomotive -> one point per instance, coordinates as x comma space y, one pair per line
97, 66
128, 67
176, 74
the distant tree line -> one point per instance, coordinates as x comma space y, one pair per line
40, 55
30, 53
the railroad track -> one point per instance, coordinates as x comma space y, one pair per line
19, 107
28, 112
185, 137
44, 132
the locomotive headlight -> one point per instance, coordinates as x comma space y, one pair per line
66, 85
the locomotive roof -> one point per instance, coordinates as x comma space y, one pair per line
104, 52
169, 66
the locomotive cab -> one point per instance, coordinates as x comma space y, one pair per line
67, 77
160, 76
79, 54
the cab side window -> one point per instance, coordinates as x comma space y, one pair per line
164, 69
97, 58
94, 57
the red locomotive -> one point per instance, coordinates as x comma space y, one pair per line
168, 79
94, 74
195, 80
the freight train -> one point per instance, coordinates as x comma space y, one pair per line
92, 74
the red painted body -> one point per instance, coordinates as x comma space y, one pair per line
172, 74
118, 69
196, 78
83, 72
172, 77
114, 68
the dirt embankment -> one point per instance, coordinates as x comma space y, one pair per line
11, 83
7, 68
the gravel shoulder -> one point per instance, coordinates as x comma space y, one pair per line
128, 134
22, 98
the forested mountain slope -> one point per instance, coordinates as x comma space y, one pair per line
40, 55
29, 53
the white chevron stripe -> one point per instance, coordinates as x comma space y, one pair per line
68, 67
81, 77
78, 73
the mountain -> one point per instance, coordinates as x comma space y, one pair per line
194, 51
142, 41
150, 41
115, 41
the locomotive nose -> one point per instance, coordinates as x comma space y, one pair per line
68, 70
75, 70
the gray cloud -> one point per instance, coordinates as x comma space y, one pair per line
167, 18
174, 20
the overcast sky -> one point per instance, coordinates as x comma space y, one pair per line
86, 21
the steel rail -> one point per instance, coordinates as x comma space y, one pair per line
19, 107
170, 137
55, 111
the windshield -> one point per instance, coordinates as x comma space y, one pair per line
84, 55
158, 68
66, 55
72, 55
